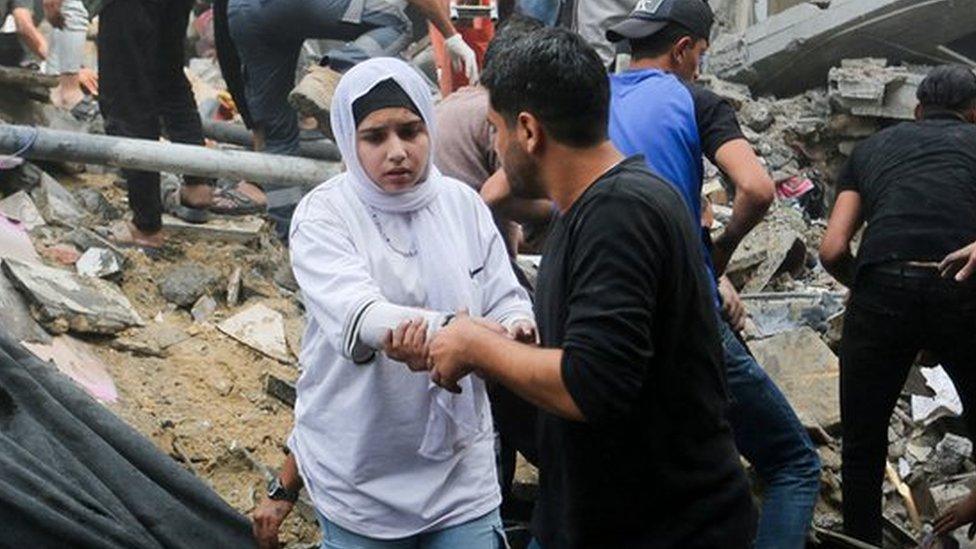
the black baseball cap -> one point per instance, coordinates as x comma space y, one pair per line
650, 16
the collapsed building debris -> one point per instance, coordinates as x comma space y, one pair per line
793, 50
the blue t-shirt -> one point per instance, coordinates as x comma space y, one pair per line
673, 124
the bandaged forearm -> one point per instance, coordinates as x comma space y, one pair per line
380, 318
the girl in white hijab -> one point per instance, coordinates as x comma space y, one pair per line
385, 253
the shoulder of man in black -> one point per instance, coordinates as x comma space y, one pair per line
716, 117
632, 179
855, 169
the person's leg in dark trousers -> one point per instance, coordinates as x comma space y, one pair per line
128, 50
177, 107
879, 345
768, 434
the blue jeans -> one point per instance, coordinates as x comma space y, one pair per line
768, 433
481, 533
545, 11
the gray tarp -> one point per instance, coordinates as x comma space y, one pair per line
72, 474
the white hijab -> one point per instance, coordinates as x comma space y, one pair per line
452, 420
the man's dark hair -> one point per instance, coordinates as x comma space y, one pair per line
556, 76
949, 87
513, 28
661, 41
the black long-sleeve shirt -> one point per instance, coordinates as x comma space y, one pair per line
622, 290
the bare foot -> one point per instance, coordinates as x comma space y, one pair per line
128, 235
196, 195
957, 515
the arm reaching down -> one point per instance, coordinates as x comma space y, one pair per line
754, 192
835, 250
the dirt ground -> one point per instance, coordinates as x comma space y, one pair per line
204, 403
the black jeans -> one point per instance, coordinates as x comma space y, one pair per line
143, 92
891, 318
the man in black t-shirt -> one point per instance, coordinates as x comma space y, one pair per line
634, 446
658, 111
914, 185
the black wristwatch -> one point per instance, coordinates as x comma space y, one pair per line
278, 492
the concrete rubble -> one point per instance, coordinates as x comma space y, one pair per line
63, 301
98, 263
186, 283
215, 368
260, 328
793, 50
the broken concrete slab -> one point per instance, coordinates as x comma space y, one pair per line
84, 239
781, 250
868, 87
184, 284
15, 242
203, 308
15, 315
56, 204
793, 51
950, 455
98, 263
76, 360
944, 402
807, 372
63, 301
20, 207
262, 329
96, 204
238, 229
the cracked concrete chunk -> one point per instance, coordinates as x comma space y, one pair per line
57, 204
793, 50
239, 229
20, 207
98, 263
260, 328
807, 372
63, 301
203, 308
185, 284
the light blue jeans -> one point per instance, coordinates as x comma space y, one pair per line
545, 11
481, 533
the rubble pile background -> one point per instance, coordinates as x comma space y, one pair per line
198, 348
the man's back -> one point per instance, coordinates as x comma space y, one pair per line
621, 291
917, 183
672, 124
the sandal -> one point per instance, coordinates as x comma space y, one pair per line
173, 205
85, 110
230, 201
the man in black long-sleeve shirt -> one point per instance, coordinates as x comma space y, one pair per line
635, 449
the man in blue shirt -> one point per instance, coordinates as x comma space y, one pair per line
656, 110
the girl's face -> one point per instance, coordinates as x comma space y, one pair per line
393, 147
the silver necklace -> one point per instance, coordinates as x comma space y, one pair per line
386, 238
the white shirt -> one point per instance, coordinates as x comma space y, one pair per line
358, 427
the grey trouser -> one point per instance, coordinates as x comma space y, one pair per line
68, 44
268, 35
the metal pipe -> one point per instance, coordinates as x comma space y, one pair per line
141, 154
